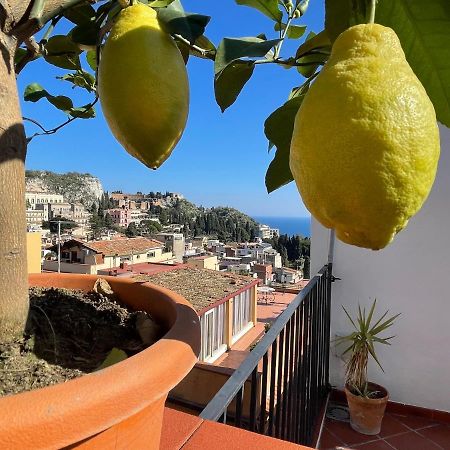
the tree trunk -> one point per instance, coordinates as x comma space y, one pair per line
13, 259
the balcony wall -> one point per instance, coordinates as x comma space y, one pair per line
411, 276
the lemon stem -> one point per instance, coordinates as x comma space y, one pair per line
373, 6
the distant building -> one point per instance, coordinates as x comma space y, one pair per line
89, 257
265, 232
204, 262
34, 218
35, 198
120, 216
263, 272
271, 256
287, 275
174, 243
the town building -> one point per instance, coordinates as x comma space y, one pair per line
175, 243
263, 272
265, 232
204, 262
36, 198
120, 216
90, 257
34, 218
286, 275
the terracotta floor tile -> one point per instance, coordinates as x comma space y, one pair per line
391, 426
376, 445
411, 441
328, 440
440, 434
348, 436
414, 422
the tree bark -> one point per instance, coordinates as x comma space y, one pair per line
13, 259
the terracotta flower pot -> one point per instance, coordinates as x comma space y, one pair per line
119, 407
366, 414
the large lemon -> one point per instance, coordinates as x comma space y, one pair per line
365, 145
143, 86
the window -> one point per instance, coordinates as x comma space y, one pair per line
212, 331
241, 311
150, 254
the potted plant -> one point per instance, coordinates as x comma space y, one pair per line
366, 400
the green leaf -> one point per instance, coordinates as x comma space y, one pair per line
114, 356
34, 92
79, 14
184, 50
278, 129
293, 32
174, 20
204, 43
85, 34
20, 53
91, 58
314, 60
424, 33
317, 42
61, 51
267, 7
231, 49
229, 82
81, 79
83, 112
61, 102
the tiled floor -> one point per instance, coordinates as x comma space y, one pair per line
397, 432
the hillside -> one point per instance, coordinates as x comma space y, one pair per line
75, 187
227, 224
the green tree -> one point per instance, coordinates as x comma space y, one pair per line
66, 224
131, 230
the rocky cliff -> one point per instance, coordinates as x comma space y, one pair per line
75, 187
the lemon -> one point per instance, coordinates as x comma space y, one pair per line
365, 144
143, 86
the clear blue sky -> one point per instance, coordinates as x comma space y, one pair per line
221, 159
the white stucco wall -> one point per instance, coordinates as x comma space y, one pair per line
411, 276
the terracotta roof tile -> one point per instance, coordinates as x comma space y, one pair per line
124, 246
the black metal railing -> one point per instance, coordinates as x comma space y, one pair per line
282, 385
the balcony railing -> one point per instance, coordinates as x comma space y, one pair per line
281, 387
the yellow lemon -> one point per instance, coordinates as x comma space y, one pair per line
143, 86
365, 145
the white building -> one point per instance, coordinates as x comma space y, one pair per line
265, 232
35, 198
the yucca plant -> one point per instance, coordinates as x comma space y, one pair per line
362, 344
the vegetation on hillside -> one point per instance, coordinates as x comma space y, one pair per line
294, 251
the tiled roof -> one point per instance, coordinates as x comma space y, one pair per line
201, 287
124, 246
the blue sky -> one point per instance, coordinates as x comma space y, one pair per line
222, 157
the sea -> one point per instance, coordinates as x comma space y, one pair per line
288, 225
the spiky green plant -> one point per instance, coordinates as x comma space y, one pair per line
362, 344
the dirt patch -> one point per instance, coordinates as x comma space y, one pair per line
70, 333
